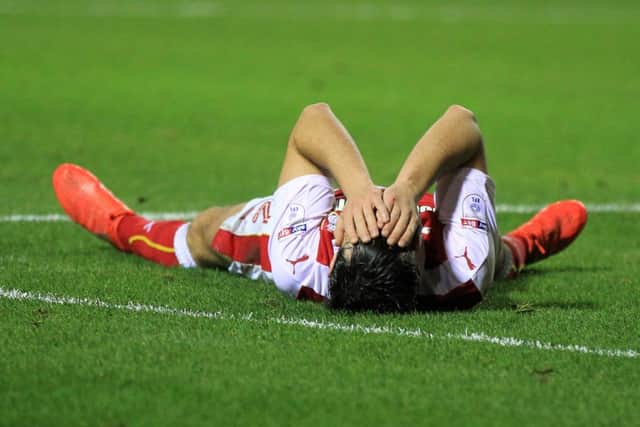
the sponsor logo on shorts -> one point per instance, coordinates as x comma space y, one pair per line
291, 230
474, 223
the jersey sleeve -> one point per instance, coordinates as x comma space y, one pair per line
466, 216
298, 209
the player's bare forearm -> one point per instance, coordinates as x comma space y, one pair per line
319, 143
452, 142
321, 138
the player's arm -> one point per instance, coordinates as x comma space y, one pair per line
452, 142
320, 144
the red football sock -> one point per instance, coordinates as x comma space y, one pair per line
152, 240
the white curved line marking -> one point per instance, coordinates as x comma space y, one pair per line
16, 294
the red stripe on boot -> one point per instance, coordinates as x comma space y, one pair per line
152, 240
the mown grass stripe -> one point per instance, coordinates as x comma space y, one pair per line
16, 294
359, 12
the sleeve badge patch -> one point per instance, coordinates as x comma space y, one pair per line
295, 213
474, 212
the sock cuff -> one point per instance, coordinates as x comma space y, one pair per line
182, 252
517, 250
505, 265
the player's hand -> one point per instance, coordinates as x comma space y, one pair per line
363, 216
403, 215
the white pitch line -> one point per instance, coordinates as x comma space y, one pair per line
16, 294
62, 217
591, 208
188, 215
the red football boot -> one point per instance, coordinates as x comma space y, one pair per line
547, 233
88, 202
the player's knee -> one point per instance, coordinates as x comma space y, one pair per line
199, 246
195, 241
201, 234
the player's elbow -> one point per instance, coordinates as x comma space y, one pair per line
460, 113
312, 116
464, 119
468, 135
312, 111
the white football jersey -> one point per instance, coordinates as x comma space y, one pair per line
288, 239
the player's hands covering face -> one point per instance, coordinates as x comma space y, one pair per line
363, 216
403, 216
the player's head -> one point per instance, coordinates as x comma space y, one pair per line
373, 276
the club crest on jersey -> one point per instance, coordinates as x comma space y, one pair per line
291, 230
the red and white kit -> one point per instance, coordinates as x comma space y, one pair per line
462, 251
244, 238
288, 238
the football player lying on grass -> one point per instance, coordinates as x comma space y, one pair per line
358, 248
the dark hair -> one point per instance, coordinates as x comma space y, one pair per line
376, 277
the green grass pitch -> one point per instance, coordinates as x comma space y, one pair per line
182, 104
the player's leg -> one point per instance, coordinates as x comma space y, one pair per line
90, 204
173, 243
548, 232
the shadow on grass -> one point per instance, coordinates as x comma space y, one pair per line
499, 297
502, 303
566, 269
